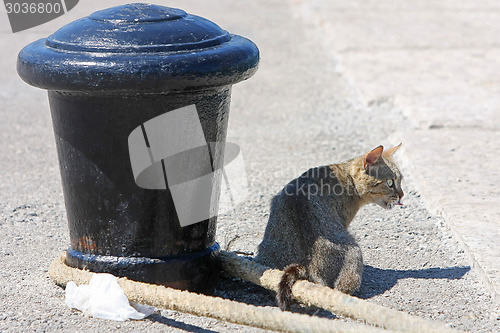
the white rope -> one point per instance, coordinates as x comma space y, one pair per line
376, 317
329, 299
201, 305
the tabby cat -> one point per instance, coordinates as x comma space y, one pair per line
306, 234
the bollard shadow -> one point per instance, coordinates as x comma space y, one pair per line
376, 281
178, 324
243, 291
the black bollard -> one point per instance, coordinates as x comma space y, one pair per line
139, 96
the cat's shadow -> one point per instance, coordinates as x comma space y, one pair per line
377, 281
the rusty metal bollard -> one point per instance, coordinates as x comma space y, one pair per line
139, 96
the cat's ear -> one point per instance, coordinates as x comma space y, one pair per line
388, 153
370, 159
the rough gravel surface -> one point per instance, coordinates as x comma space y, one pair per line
297, 112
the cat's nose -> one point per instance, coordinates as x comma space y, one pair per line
400, 196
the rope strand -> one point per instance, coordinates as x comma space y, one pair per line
215, 307
329, 299
377, 318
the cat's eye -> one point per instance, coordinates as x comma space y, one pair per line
390, 182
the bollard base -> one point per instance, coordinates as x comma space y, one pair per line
197, 271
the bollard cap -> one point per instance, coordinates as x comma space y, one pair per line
138, 48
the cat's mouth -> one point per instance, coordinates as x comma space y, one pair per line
393, 202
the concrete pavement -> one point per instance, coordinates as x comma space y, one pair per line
438, 62
434, 63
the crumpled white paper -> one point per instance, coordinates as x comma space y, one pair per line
104, 298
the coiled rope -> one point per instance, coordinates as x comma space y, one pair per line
262, 317
313, 294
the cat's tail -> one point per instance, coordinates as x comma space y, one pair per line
292, 273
